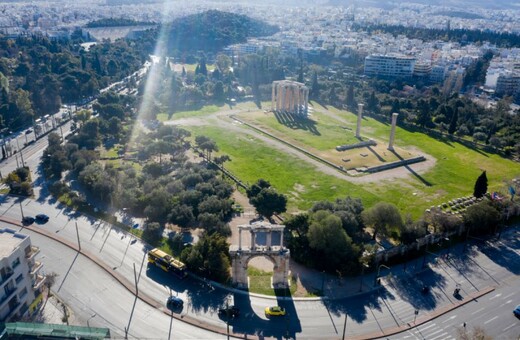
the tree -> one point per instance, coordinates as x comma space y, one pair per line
50, 280
481, 217
209, 257
266, 199
382, 217
315, 86
481, 185
327, 237
152, 233
453, 123
350, 99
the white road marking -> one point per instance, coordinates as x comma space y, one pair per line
429, 326
443, 334
440, 330
507, 302
477, 311
496, 295
451, 318
508, 295
496, 317
508, 327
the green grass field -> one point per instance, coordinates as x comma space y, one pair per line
260, 282
453, 175
206, 110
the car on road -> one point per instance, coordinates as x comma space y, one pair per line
174, 302
231, 311
42, 218
516, 311
274, 311
28, 131
27, 220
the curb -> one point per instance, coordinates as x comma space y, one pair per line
430, 316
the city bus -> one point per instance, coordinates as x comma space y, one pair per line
167, 262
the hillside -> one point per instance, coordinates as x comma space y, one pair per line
212, 30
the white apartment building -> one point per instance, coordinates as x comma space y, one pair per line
20, 281
389, 66
508, 83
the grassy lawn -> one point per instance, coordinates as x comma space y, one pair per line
260, 283
453, 175
206, 110
252, 159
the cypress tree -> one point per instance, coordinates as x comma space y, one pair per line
481, 185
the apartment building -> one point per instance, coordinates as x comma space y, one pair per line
389, 66
20, 280
508, 84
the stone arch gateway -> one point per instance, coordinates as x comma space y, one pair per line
277, 254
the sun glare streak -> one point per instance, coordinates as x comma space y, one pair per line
152, 77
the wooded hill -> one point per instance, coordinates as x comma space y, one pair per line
213, 30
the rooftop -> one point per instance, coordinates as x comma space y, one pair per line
9, 240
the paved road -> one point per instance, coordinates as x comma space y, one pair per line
390, 307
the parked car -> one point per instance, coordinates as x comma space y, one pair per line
516, 311
42, 218
274, 311
27, 220
231, 311
174, 302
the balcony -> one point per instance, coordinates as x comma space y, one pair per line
6, 275
38, 281
36, 267
32, 253
9, 293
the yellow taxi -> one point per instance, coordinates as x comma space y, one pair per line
274, 311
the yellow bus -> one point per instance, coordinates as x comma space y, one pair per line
167, 262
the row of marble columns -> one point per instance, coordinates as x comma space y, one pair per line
290, 96
392, 130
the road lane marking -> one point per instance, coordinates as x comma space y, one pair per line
440, 330
508, 295
507, 302
496, 295
451, 318
496, 317
477, 311
443, 334
508, 327
429, 326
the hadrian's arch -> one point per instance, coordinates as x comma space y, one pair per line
277, 254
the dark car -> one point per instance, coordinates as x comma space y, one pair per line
174, 302
42, 218
516, 311
231, 311
27, 220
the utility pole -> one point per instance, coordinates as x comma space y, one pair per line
21, 209
135, 278
77, 234
344, 327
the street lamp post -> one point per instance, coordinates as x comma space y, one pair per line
93, 315
377, 275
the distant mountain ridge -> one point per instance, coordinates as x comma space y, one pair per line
213, 30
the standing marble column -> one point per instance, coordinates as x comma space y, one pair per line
392, 131
359, 118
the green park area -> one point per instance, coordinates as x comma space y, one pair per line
453, 175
